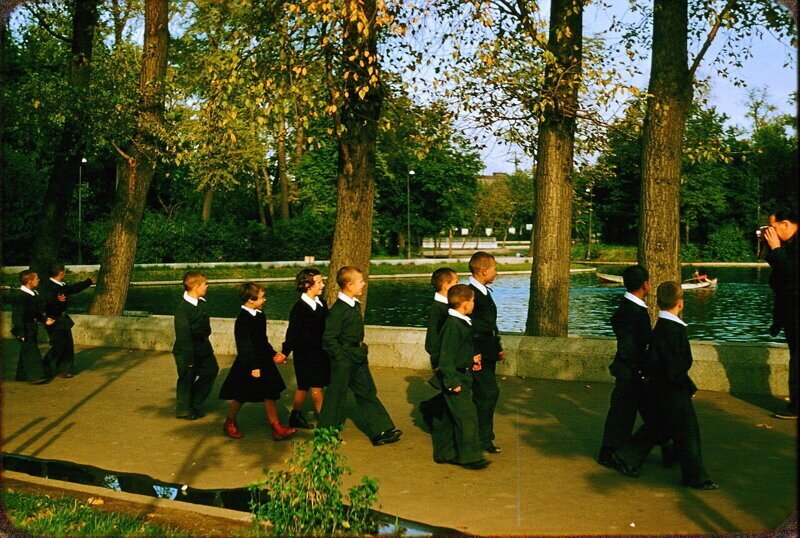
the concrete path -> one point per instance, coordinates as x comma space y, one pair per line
117, 414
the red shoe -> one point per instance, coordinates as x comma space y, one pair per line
231, 430
279, 432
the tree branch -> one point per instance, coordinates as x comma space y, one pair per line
711, 35
46, 26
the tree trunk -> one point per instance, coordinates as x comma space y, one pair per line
283, 175
69, 151
352, 236
548, 313
270, 197
208, 198
262, 216
670, 95
299, 144
116, 259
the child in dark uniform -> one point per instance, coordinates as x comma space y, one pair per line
457, 363
312, 366
26, 314
254, 376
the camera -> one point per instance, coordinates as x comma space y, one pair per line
760, 232
761, 241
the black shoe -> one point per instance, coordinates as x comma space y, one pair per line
384, 438
475, 465
786, 415
198, 414
297, 420
705, 485
491, 448
604, 458
621, 466
188, 416
668, 455
40, 381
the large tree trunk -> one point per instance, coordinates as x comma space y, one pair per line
70, 148
352, 236
670, 95
548, 310
116, 260
283, 174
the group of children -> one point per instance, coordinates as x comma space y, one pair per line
47, 306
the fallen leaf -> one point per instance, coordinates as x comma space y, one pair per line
762, 425
96, 501
633, 524
587, 386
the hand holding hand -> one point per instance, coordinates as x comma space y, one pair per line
93, 279
501, 355
457, 389
279, 358
771, 236
49, 321
62, 297
255, 373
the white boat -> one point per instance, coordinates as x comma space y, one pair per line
605, 278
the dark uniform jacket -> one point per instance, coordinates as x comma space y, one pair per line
486, 337
343, 338
672, 356
26, 313
436, 319
56, 309
631, 324
304, 333
456, 353
783, 281
192, 329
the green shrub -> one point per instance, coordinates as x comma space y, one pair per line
690, 252
307, 234
728, 244
308, 499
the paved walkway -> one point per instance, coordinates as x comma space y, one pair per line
118, 414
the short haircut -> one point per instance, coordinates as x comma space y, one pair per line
668, 294
191, 279
305, 279
442, 276
785, 213
26, 276
458, 294
345, 275
249, 291
634, 277
57, 267
479, 260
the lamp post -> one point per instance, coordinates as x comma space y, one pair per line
589, 242
80, 208
408, 213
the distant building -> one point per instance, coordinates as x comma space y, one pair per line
488, 181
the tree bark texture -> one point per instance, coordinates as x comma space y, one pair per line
283, 173
117, 256
352, 236
208, 198
69, 150
548, 310
669, 98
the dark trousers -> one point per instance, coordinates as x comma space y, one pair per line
485, 394
30, 366
455, 434
346, 374
626, 401
195, 381
61, 355
791, 340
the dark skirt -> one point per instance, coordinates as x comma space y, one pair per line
243, 387
314, 371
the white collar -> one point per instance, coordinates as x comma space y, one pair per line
191, 300
311, 302
28, 290
440, 298
349, 300
252, 311
672, 317
57, 281
459, 315
481, 287
634, 299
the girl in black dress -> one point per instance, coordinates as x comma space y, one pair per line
254, 376
312, 366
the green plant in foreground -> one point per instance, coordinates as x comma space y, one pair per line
308, 499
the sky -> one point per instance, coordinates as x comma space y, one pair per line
764, 70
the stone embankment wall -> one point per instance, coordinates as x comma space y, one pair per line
739, 368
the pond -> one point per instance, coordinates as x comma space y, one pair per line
738, 310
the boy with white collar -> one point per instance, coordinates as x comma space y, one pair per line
26, 314
194, 357
343, 340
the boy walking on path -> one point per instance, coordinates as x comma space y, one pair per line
55, 297
26, 314
343, 340
194, 357
486, 341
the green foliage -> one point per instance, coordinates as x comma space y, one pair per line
690, 252
42, 516
308, 234
308, 499
728, 244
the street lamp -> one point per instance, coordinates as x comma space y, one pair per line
589, 242
408, 213
80, 199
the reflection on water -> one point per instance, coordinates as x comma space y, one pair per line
739, 310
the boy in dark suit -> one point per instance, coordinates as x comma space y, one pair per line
26, 314
486, 340
55, 297
343, 340
458, 363
194, 357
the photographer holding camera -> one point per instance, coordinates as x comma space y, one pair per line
781, 238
